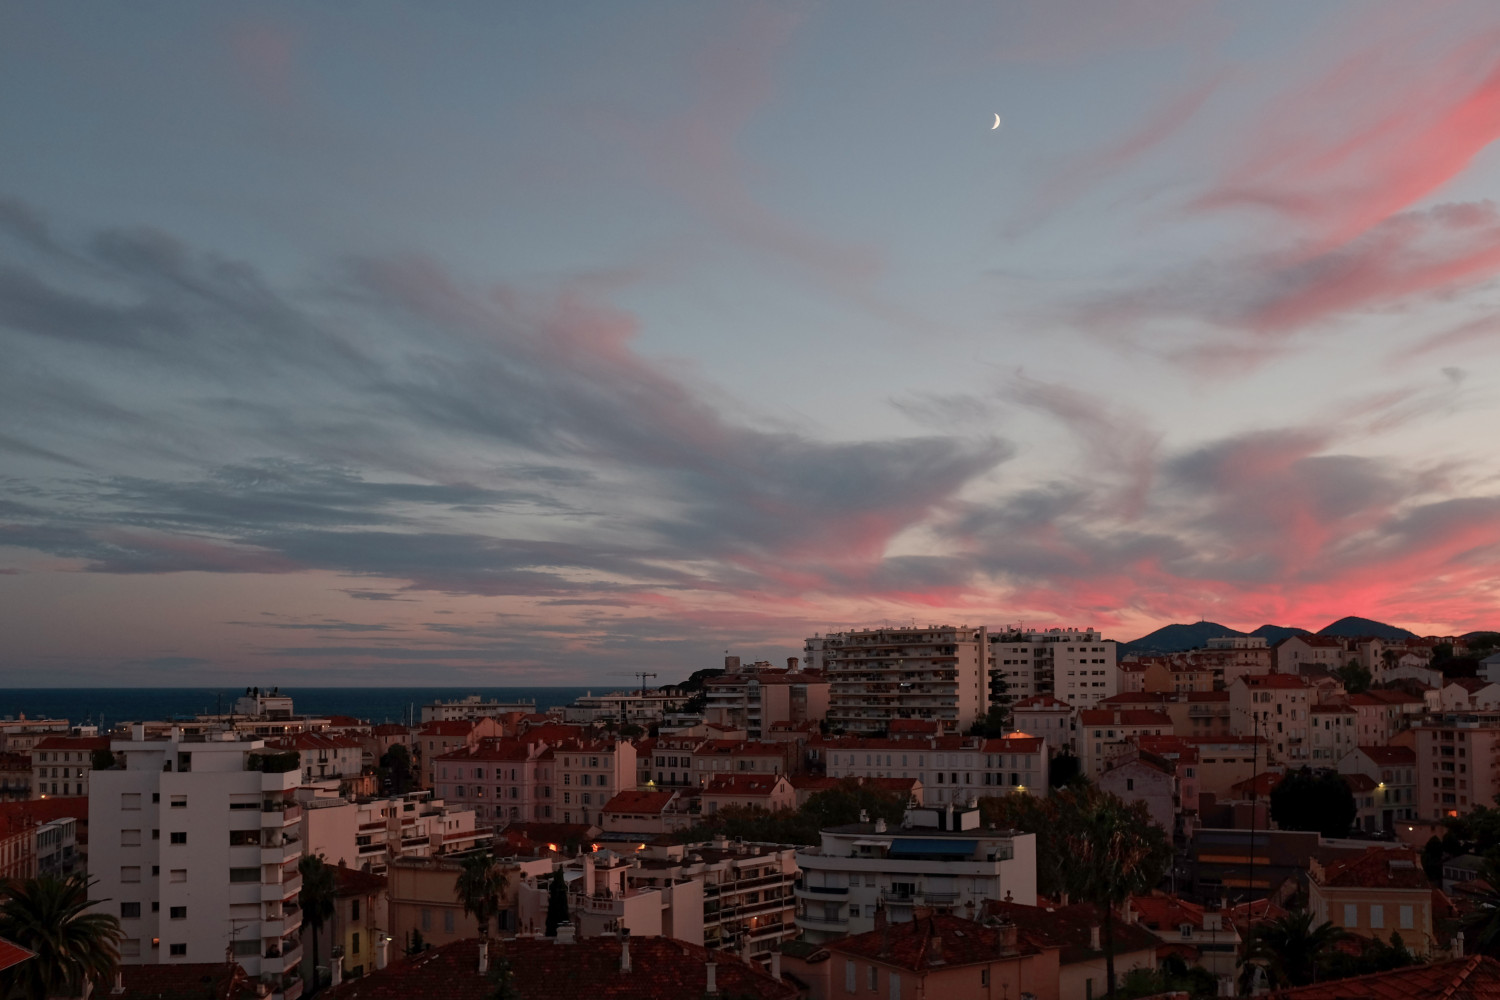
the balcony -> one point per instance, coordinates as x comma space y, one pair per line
837, 924
290, 848
821, 891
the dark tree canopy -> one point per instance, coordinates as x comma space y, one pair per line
1064, 769
557, 903
1313, 800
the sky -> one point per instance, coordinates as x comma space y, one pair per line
536, 343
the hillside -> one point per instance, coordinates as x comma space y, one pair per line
1275, 633
1357, 628
1176, 638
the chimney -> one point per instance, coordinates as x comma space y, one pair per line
864, 815
776, 955
624, 949
791, 664
880, 826
138, 732
712, 989
335, 971
1008, 938
1094, 937
935, 946
119, 977
565, 934
382, 949
484, 956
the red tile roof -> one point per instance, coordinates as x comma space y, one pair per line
496, 749
1377, 868
1013, 744
1473, 978
315, 741
13, 954
1359, 783
186, 981
14, 815
1286, 681
1169, 747
816, 782
1166, 912
1390, 756
908, 945
1070, 928
541, 969
749, 785
1124, 717
1040, 701
649, 803
354, 882
72, 743
390, 729
447, 727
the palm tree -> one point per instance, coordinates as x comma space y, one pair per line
478, 888
319, 891
1115, 852
51, 917
1290, 948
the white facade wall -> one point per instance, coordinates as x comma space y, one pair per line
198, 855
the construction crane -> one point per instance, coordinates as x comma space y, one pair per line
642, 674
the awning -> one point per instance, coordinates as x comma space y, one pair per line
947, 848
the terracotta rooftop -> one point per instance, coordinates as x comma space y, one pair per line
496, 749
1013, 744
908, 945
743, 784
13, 954
354, 882
315, 741
390, 729
1169, 747
448, 727
1390, 756
1123, 717
87, 743
186, 981
1473, 978
542, 969
1069, 928
1040, 701
1287, 681
649, 803
1377, 868
1359, 783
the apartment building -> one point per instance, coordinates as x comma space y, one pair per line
1045, 716
442, 736
1393, 771
503, 781
712, 758
1279, 708
1079, 666
944, 956
1292, 654
589, 773
60, 765
877, 675
1375, 894
1103, 732
753, 701
324, 757
938, 857
19, 736
195, 846
668, 761
473, 708
15, 776
641, 708
1335, 731
1458, 763
1383, 714
950, 769
771, 792
368, 834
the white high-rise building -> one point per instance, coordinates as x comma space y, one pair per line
1075, 665
194, 845
877, 675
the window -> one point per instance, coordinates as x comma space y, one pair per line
177, 949
179, 836
177, 875
130, 911
1407, 918
177, 913
872, 978
179, 802
895, 991
130, 838
354, 912
244, 838
131, 948
448, 921
354, 942
130, 800
130, 873
1351, 915
244, 874
1377, 915
245, 949
849, 975
426, 919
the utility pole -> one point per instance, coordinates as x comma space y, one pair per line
1254, 766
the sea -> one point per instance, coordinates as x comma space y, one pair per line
109, 707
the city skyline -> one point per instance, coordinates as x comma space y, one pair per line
528, 346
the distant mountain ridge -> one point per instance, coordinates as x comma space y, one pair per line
1180, 637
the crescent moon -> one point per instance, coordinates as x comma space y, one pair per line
996, 125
